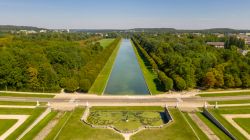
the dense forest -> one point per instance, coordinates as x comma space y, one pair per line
51, 61
186, 61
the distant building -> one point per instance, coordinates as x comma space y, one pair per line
100, 34
248, 34
216, 44
247, 40
43, 31
27, 31
244, 37
219, 35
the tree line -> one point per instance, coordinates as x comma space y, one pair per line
186, 61
49, 62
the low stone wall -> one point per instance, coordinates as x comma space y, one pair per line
217, 123
168, 115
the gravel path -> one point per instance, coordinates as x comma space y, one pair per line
20, 118
47, 129
229, 118
210, 134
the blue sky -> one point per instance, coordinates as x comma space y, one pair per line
125, 14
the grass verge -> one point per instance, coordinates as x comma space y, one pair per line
26, 95
33, 132
230, 102
34, 113
56, 130
20, 103
5, 124
149, 76
224, 94
243, 123
217, 113
102, 79
213, 127
196, 128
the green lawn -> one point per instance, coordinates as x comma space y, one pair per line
102, 79
126, 120
244, 123
231, 102
20, 103
32, 133
217, 113
75, 129
34, 113
62, 119
177, 130
196, 128
224, 94
5, 124
106, 42
213, 127
149, 75
26, 95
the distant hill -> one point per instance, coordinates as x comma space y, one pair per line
8, 28
96, 30
162, 30
172, 30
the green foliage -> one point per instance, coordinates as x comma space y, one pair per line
179, 83
84, 84
192, 60
209, 80
71, 85
50, 61
167, 82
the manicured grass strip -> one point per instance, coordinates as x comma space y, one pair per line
232, 110
176, 130
20, 103
76, 129
106, 42
35, 113
26, 95
196, 128
230, 102
224, 94
59, 125
16, 111
33, 132
244, 123
217, 114
102, 79
5, 124
213, 127
149, 75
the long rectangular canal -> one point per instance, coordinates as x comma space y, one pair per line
126, 77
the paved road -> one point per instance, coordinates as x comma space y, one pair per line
126, 99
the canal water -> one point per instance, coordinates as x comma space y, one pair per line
126, 77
